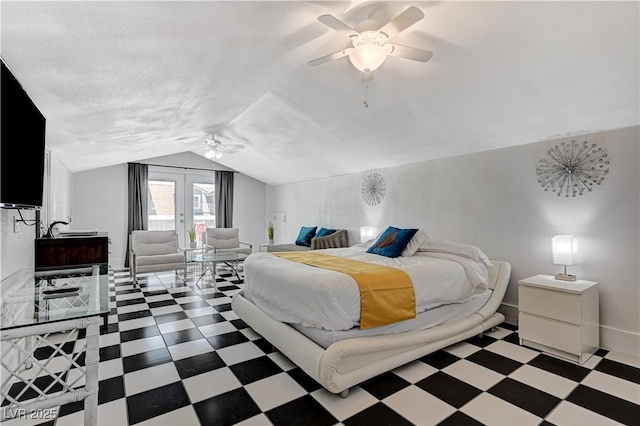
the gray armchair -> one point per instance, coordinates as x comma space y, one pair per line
224, 240
155, 251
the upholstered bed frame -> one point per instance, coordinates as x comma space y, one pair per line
346, 363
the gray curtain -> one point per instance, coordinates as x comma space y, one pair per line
138, 204
224, 199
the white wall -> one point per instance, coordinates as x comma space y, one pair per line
101, 202
493, 200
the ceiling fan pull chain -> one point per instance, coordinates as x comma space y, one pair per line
366, 96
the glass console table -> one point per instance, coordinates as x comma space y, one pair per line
211, 259
44, 310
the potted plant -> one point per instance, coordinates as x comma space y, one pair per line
192, 237
270, 232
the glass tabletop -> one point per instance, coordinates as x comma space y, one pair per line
33, 298
210, 256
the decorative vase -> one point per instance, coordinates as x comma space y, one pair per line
193, 244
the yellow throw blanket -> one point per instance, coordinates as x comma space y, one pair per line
386, 293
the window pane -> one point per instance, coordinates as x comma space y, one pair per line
203, 207
162, 205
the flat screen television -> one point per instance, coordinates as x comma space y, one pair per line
22, 145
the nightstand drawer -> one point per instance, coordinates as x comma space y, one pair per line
551, 304
565, 337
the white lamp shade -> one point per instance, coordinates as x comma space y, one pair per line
368, 57
367, 233
565, 249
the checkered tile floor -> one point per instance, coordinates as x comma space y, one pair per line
175, 354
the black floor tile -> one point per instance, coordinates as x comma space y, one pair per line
482, 342
227, 409
134, 315
239, 324
146, 405
194, 305
526, 397
41, 383
601, 353
459, 419
264, 345
449, 389
377, 414
228, 339
139, 333
560, 367
384, 385
45, 352
109, 352
155, 293
110, 389
494, 361
439, 359
255, 369
512, 338
607, 405
182, 336
105, 329
207, 319
145, 360
223, 307
161, 303
302, 411
303, 379
508, 326
181, 294
620, 370
130, 302
198, 364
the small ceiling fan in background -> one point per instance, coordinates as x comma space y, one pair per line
370, 42
216, 149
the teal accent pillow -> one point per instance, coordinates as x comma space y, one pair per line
323, 232
305, 235
392, 242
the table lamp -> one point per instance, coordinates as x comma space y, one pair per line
565, 252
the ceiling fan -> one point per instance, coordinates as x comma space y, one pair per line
370, 42
215, 148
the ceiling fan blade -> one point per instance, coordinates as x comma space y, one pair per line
408, 52
366, 77
402, 21
333, 22
329, 58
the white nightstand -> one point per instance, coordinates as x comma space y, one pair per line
559, 317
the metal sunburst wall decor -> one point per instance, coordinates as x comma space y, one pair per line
572, 168
373, 189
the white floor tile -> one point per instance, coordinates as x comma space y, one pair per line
185, 416
492, 410
343, 408
109, 369
476, 375
512, 351
170, 327
282, 361
189, 349
150, 378
274, 391
614, 386
229, 315
111, 413
132, 308
108, 339
158, 298
210, 384
499, 333
163, 310
567, 413
129, 296
191, 313
418, 406
180, 289
415, 371
259, 420
462, 349
141, 345
217, 328
543, 380
238, 353
250, 334
624, 359
188, 299
134, 323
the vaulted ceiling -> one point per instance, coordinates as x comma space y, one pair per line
125, 81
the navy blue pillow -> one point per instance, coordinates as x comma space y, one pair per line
392, 242
305, 235
323, 232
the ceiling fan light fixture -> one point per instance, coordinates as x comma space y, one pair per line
212, 154
368, 52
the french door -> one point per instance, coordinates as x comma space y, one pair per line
180, 201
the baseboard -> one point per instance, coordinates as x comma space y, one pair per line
611, 339
616, 340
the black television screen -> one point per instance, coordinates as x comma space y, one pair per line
22, 145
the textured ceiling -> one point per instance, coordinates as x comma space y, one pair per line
125, 81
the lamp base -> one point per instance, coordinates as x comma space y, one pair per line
566, 277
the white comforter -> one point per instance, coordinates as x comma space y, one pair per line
314, 297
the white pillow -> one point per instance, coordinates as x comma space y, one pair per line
459, 249
414, 243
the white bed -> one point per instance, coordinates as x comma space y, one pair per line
273, 284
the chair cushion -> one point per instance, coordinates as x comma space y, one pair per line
149, 243
223, 238
305, 235
159, 259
